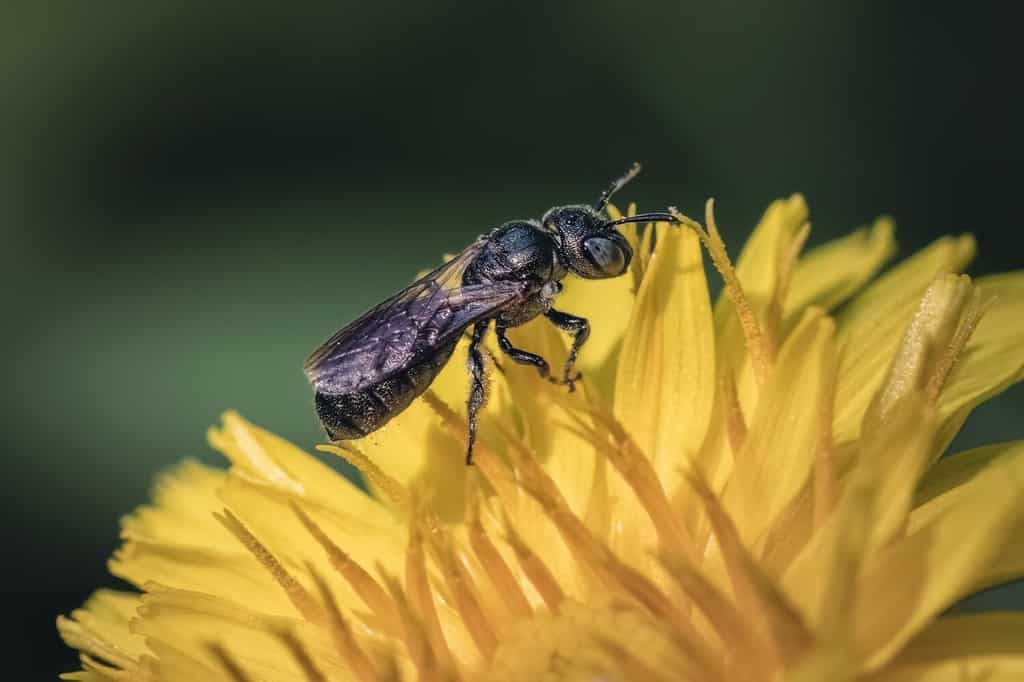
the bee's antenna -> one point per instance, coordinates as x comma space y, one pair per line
616, 185
652, 217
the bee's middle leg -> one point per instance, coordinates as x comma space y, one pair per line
521, 356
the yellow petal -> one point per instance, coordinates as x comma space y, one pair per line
759, 262
822, 578
974, 636
994, 668
606, 304
666, 375
872, 510
180, 512
271, 459
543, 410
545, 407
230, 572
177, 542
929, 333
993, 359
947, 481
270, 517
191, 622
169, 663
567, 647
778, 456
756, 593
824, 663
896, 454
959, 481
758, 269
88, 676
830, 274
910, 582
100, 628
955, 648
837, 552
871, 327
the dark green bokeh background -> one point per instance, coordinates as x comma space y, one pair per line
192, 197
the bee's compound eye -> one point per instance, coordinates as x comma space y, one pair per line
606, 254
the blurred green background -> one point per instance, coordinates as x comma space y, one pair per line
194, 196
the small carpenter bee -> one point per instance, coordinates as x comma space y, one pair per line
371, 370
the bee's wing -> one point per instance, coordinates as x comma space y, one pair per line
411, 325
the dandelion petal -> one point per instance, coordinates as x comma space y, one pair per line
666, 376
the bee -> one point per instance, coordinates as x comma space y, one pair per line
372, 370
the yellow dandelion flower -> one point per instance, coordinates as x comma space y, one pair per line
749, 489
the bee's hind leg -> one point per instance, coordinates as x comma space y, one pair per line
477, 384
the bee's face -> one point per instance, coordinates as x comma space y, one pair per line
589, 247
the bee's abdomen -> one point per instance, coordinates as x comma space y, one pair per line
349, 416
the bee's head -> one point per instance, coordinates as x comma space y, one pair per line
589, 244
590, 247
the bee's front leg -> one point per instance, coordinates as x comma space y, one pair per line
580, 330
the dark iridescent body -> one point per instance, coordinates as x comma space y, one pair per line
371, 370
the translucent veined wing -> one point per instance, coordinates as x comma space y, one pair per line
415, 323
